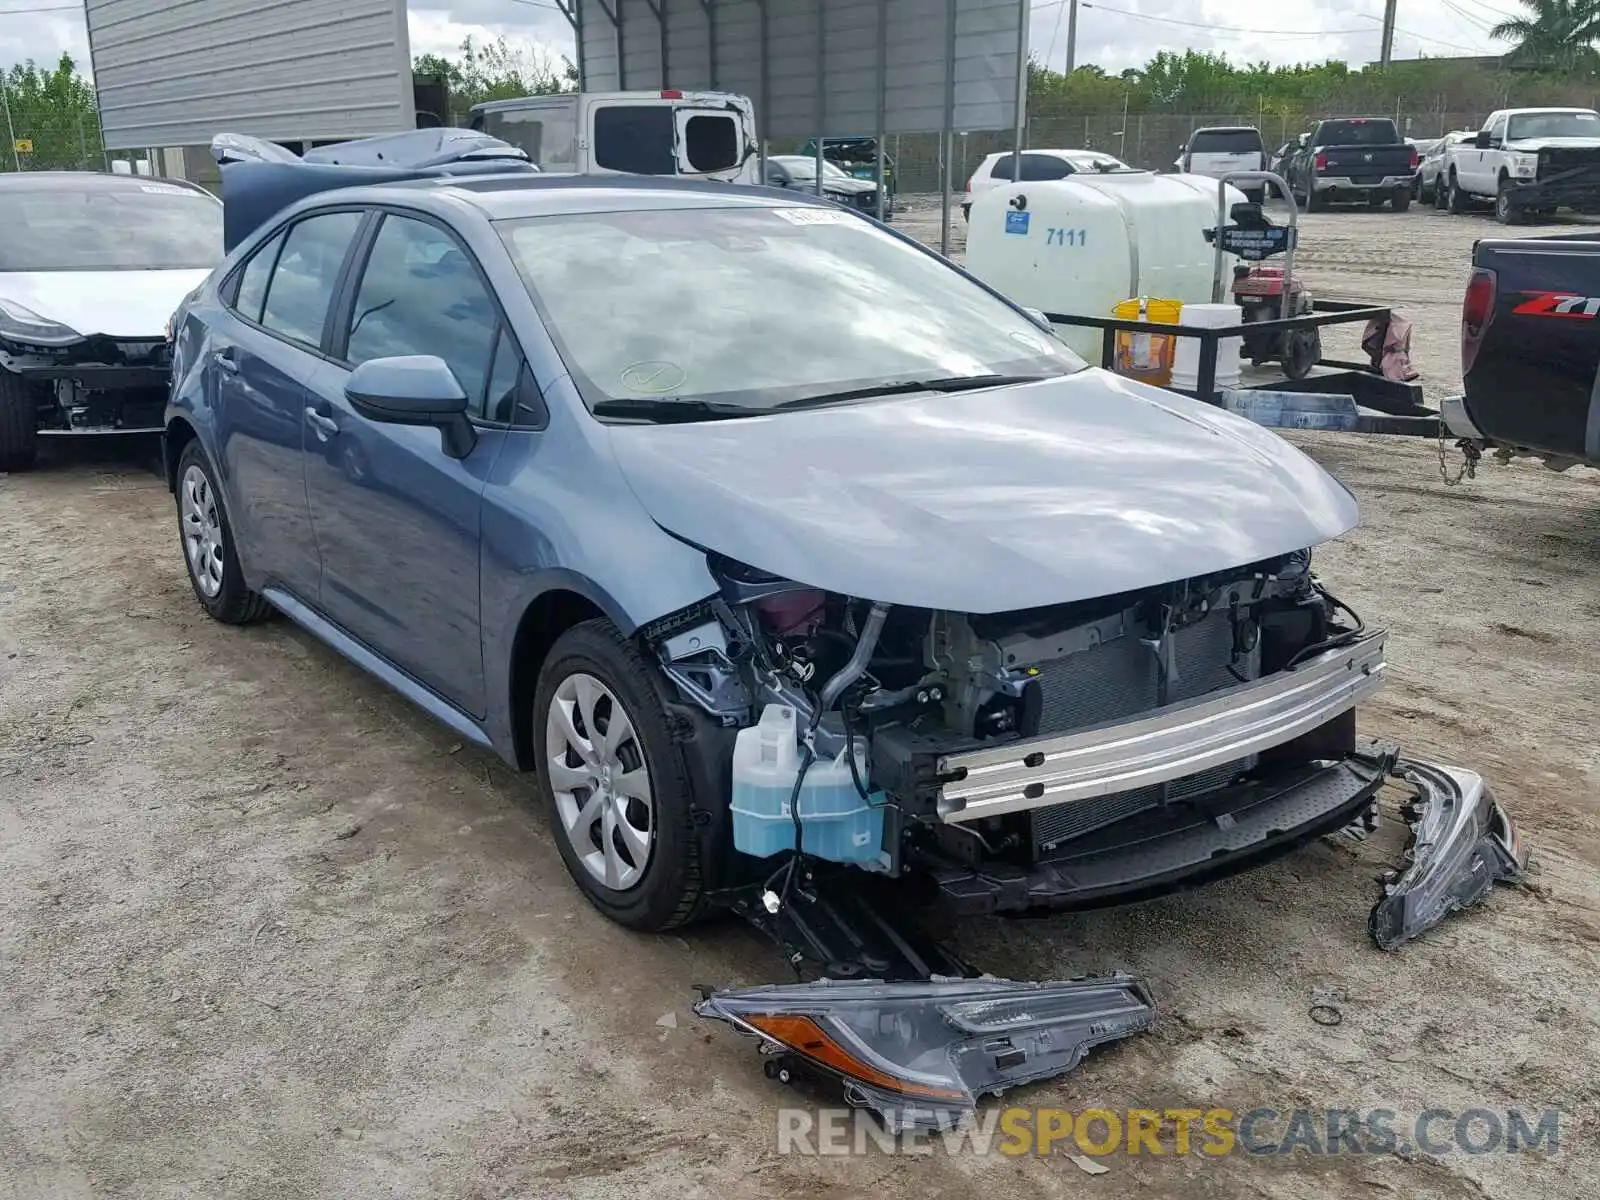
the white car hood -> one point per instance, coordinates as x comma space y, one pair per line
1529, 145
121, 304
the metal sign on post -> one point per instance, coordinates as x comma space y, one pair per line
22, 145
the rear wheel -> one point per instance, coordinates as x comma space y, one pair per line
614, 782
1314, 203
1504, 211
1402, 199
207, 541
19, 422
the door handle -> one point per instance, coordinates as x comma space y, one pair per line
326, 427
226, 362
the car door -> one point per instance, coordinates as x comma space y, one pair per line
261, 354
396, 518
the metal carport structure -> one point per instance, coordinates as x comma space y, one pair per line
822, 68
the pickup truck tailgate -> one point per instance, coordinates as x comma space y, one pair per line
1366, 164
1530, 374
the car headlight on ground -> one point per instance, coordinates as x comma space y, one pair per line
1524, 166
21, 324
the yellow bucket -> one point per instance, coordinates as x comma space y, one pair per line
1146, 357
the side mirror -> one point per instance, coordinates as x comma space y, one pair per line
414, 389
1482, 140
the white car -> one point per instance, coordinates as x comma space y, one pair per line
1524, 160
1431, 182
1216, 151
85, 299
1036, 165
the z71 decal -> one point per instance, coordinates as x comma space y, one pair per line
1558, 304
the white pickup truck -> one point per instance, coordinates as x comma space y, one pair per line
1528, 161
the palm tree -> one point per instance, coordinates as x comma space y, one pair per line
1555, 33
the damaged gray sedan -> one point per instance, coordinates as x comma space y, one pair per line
807, 575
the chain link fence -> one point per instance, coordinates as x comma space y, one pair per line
1147, 140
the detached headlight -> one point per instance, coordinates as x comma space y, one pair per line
913, 1051
1525, 166
24, 325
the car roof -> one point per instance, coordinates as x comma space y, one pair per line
526, 194
1543, 108
1227, 129
92, 181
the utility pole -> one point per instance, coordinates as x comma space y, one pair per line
1386, 51
1072, 34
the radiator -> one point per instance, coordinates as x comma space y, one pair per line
1120, 679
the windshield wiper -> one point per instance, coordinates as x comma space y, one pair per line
665, 412
906, 387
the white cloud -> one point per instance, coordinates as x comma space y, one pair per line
1246, 30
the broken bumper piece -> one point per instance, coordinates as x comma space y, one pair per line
1463, 843
919, 1055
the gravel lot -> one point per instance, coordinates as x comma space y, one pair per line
267, 931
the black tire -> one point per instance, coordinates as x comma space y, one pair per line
671, 891
233, 603
1427, 195
1402, 199
1441, 197
1504, 212
19, 422
1458, 201
1314, 203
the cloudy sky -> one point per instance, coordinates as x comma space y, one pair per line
1118, 34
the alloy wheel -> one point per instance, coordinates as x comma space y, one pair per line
201, 525
600, 781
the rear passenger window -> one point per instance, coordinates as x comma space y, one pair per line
252, 289
1044, 166
420, 294
307, 272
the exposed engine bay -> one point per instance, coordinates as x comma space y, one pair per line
97, 385
911, 687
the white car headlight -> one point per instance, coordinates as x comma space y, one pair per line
24, 325
1524, 166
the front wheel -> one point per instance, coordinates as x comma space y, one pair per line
614, 782
1459, 202
207, 541
19, 423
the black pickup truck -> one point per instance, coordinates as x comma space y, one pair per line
1530, 348
1352, 159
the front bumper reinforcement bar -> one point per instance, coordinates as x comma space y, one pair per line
1181, 739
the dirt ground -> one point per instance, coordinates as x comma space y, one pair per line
267, 931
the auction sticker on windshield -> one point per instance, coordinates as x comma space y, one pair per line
812, 216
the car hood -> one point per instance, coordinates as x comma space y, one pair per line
988, 501
119, 304
850, 186
1528, 145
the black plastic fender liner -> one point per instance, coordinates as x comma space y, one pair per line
1462, 844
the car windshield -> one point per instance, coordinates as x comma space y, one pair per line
753, 308
94, 227
1358, 133
1553, 125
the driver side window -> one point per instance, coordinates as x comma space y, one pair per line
421, 294
1497, 129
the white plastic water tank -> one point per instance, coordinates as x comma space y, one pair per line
1082, 244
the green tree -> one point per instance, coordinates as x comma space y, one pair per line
498, 70
55, 110
1554, 33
